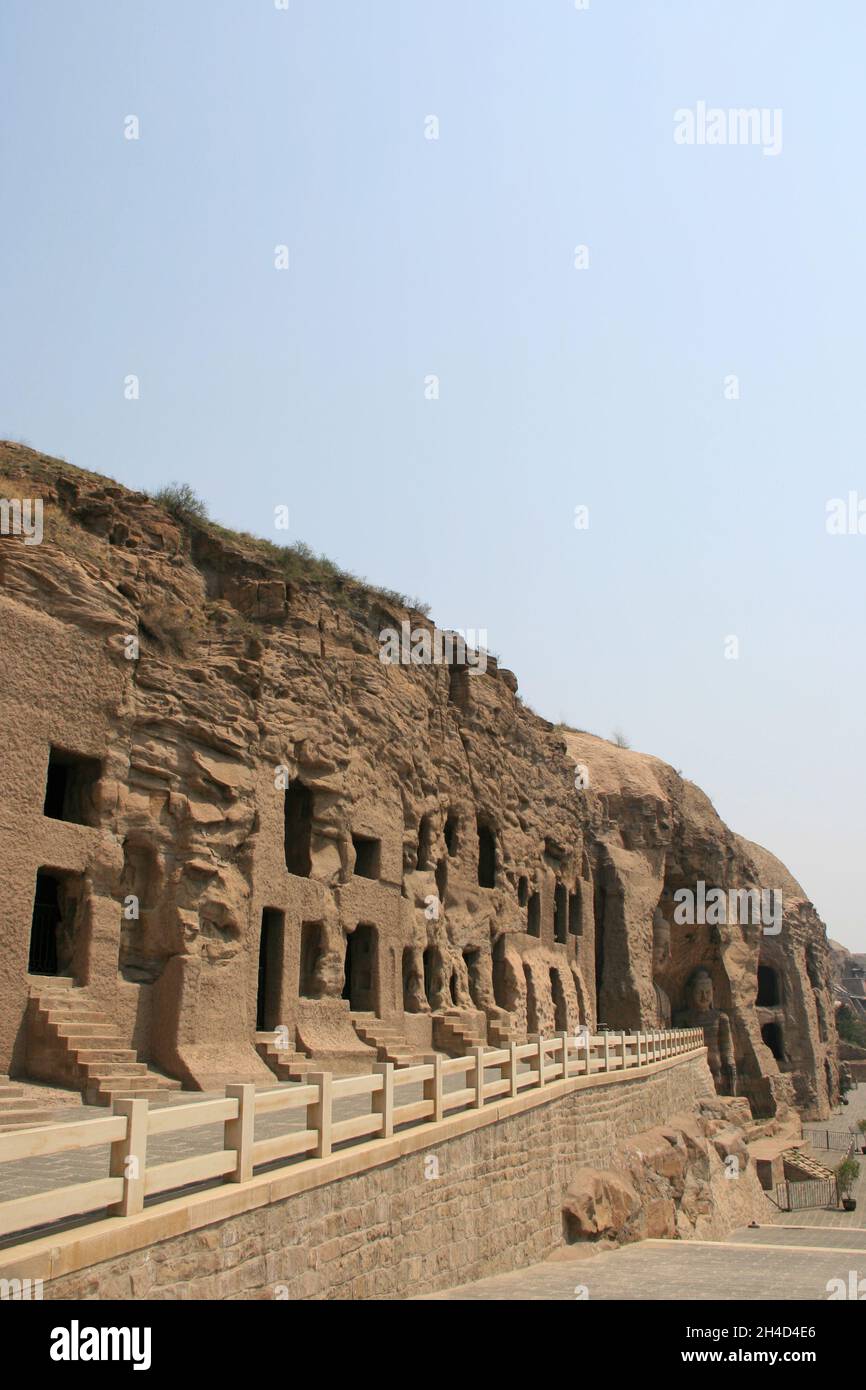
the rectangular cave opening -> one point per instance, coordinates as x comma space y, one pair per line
560, 914
298, 828
55, 904
368, 853
533, 915
69, 785
486, 855
270, 969
359, 980
575, 920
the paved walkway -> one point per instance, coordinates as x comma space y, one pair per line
796, 1257
672, 1270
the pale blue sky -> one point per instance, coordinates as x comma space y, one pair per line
558, 387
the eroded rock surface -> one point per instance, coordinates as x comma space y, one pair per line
255, 824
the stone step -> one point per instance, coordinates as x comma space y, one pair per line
12, 1104
25, 1119
84, 1033
148, 1087
98, 1070
72, 1014
85, 1056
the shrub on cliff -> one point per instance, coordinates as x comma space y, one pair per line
182, 501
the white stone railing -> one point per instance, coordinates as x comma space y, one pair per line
132, 1178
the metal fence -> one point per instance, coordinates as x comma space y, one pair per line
816, 1192
841, 1139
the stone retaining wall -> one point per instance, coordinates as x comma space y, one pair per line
486, 1200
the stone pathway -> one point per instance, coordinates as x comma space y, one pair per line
671, 1270
794, 1258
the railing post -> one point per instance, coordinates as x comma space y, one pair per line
541, 1059
320, 1116
607, 1051
383, 1100
512, 1065
623, 1046
433, 1089
565, 1039
129, 1157
479, 1053
239, 1133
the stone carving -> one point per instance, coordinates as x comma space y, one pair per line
414, 998
701, 1013
661, 960
328, 974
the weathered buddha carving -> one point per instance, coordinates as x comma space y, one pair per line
328, 975
661, 960
414, 998
700, 1013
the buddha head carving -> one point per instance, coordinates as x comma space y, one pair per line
699, 991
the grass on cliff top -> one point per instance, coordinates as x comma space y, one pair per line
295, 562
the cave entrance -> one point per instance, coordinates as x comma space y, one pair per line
531, 1002
367, 853
47, 915
69, 785
575, 921
560, 914
486, 856
560, 1009
359, 970
270, 970
769, 990
771, 1034
533, 915
298, 826
429, 972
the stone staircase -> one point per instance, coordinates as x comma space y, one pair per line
501, 1032
286, 1065
458, 1033
73, 1043
388, 1041
17, 1110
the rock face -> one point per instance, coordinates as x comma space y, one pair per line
223, 814
691, 1178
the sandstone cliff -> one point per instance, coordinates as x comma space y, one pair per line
263, 829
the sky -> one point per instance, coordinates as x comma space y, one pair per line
431, 376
